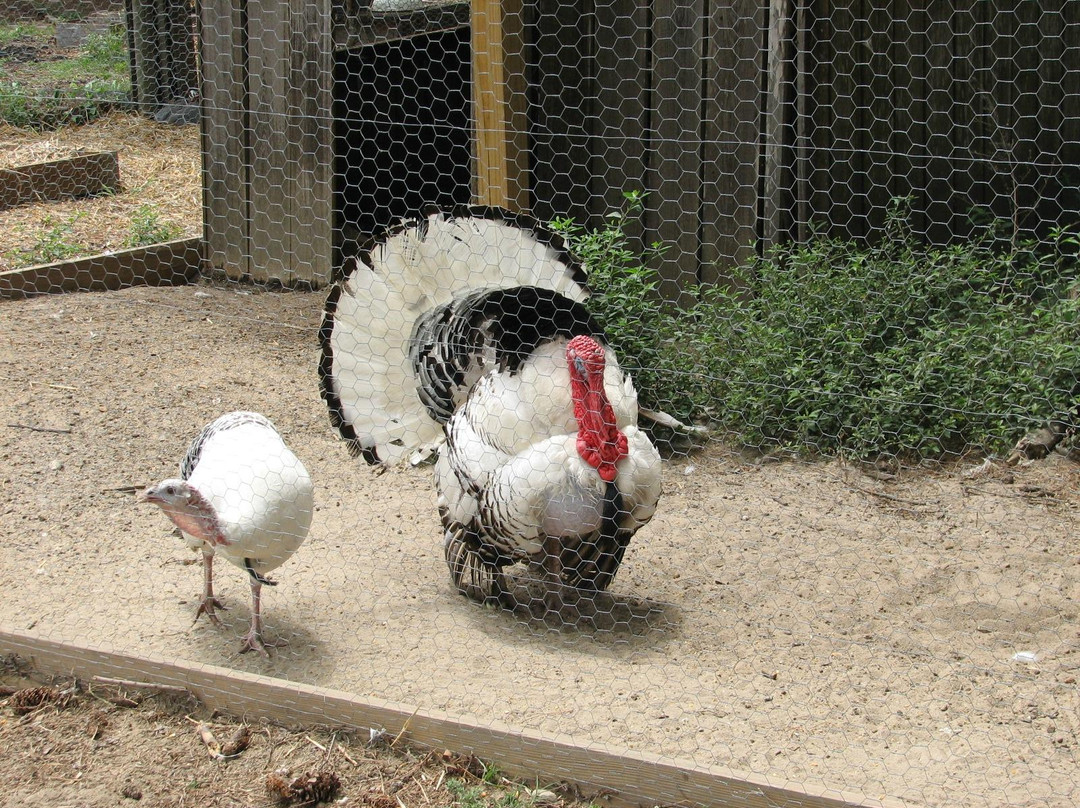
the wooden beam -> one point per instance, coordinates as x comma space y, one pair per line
499, 104
637, 778
226, 136
69, 178
173, 263
674, 202
777, 194
733, 69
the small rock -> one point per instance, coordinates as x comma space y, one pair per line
56, 464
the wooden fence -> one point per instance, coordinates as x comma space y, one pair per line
746, 121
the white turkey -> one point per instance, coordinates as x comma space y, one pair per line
467, 334
242, 494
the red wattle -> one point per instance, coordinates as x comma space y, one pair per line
599, 441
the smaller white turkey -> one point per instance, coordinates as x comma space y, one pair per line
244, 494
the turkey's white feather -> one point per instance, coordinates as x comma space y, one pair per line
260, 492
424, 265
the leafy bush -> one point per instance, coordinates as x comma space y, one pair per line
899, 348
833, 347
52, 244
147, 228
626, 301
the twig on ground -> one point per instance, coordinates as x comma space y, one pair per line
106, 680
208, 739
238, 742
41, 429
404, 727
890, 497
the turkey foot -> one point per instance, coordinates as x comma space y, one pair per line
207, 607
253, 641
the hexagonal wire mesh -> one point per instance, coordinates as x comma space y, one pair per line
697, 435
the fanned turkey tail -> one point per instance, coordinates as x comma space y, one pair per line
428, 307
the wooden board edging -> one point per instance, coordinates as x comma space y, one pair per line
68, 178
640, 778
173, 263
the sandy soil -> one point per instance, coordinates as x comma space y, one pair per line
99, 745
914, 636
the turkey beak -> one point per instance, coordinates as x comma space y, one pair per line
148, 495
579, 366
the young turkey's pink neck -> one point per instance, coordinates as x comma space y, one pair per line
599, 441
198, 519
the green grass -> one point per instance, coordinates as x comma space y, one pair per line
486, 796
50, 94
52, 244
102, 59
13, 32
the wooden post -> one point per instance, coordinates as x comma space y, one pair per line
779, 132
499, 104
268, 139
730, 171
143, 41
672, 208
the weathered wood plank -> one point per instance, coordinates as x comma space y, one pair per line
270, 101
834, 139
1038, 82
940, 130
779, 123
173, 263
143, 36
225, 147
69, 178
675, 194
309, 152
563, 116
804, 125
357, 25
620, 138
500, 104
729, 206
636, 778
878, 120
908, 75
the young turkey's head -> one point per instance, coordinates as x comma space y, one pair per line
187, 508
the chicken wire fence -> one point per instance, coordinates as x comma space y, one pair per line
732, 423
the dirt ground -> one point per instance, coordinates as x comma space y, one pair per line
95, 744
912, 635
159, 167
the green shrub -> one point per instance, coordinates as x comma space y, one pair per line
147, 228
897, 348
627, 303
52, 244
833, 347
